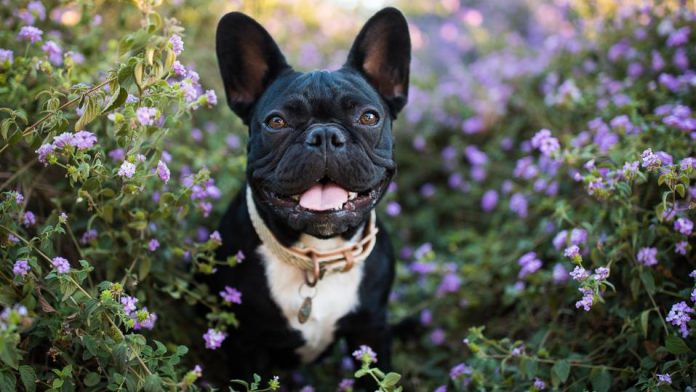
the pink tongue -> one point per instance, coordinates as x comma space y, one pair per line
322, 197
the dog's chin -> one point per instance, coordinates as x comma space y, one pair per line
326, 222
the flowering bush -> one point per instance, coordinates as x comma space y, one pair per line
554, 152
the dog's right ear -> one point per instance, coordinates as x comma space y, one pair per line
249, 61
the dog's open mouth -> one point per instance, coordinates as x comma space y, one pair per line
326, 196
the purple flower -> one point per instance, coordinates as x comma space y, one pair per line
54, 52
679, 316
630, 169
88, 236
127, 170
37, 9
601, 273
678, 37
210, 97
680, 59
179, 69
426, 317
687, 163
29, 219
460, 370
525, 168
146, 115
177, 44
427, 190
117, 154
657, 62
529, 263
346, 385
518, 205
680, 247
559, 274
231, 295
664, 379
30, 33
163, 171
540, 385
215, 236
684, 226
472, 125
587, 299
422, 250
6, 57
213, 339
437, 337
579, 273
365, 354
393, 208
489, 200
475, 156
148, 322
153, 245
572, 252
128, 303
240, 256
650, 160
21, 268
63, 140
450, 283
19, 197
61, 265
83, 140
647, 256
546, 143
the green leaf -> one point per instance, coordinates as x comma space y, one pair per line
8, 382
360, 372
560, 371
144, 268
8, 350
28, 377
92, 379
676, 345
152, 383
648, 280
680, 190
601, 380
644, 322
91, 111
391, 379
116, 100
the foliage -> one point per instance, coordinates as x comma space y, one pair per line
549, 145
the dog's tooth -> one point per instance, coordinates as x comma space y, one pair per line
295, 197
352, 195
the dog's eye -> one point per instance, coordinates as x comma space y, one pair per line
276, 122
369, 118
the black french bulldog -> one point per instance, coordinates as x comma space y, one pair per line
320, 157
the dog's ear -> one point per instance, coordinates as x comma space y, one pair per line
382, 53
249, 61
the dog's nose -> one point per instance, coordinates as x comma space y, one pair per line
326, 138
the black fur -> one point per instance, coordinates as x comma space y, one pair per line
323, 141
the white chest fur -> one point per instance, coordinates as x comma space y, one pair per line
336, 296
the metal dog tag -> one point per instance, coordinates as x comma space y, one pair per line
305, 310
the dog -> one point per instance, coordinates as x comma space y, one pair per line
319, 266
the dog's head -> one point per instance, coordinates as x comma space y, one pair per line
320, 152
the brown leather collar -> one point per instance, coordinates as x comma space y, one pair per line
309, 259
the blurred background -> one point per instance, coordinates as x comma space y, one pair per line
479, 213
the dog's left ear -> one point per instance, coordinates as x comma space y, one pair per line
382, 53
249, 60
